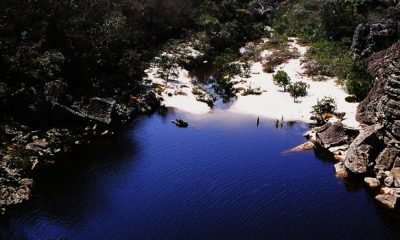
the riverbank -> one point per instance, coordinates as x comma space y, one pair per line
272, 102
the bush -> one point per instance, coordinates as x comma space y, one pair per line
282, 79
359, 82
298, 89
325, 105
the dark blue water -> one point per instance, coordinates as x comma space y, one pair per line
222, 178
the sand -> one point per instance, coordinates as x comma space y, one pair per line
273, 103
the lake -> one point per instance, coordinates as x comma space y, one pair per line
221, 178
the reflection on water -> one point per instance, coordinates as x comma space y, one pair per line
221, 178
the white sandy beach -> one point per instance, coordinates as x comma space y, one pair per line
273, 103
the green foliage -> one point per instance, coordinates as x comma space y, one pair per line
359, 82
167, 66
246, 68
325, 105
252, 91
298, 89
282, 79
226, 69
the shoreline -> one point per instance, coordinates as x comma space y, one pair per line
272, 103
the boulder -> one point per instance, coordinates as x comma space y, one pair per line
373, 37
65, 116
387, 200
386, 190
388, 181
307, 146
364, 150
340, 170
331, 134
386, 158
372, 182
101, 110
395, 172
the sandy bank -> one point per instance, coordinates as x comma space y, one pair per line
272, 103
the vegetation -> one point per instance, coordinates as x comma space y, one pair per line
326, 105
282, 79
167, 65
100, 48
298, 89
328, 26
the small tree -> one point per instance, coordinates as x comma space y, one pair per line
246, 67
167, 66
298, 89
282, 79
326, 105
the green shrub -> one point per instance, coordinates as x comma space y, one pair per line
282, 79
298, 89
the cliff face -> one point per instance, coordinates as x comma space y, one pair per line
377, 148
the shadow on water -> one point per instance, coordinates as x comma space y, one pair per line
221, 178
62, 189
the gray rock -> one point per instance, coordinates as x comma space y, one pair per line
362, 149
372, 182
387, 200
340, 170
63, 115
101, 110
373, 37
331, 134
386, 158
388, 181
395, 172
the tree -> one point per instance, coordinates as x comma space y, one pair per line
246, 68
298, 89
326, 105
282, 79
167, 66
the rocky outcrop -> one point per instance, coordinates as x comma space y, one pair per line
331, 134
364, 150
100, 110
376, 151
384, 66
373, 37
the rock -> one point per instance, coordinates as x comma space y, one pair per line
388, 181
373, 37
372, 182
341, 170
386, 190
180, 123
395, 172
363, 150
331, 134
65, 116
396, 162
381, 175
339, 148
101, 110
387, 200
307, 146
382, 65
386, 158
